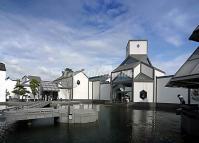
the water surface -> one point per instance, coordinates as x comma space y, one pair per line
115, 125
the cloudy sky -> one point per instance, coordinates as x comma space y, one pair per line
42, 37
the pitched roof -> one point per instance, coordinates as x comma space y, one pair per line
49, 86
69, 75
101, 78
195, 35
143, 58
30, 77
2, 67
143, 77
132, 61
188, 74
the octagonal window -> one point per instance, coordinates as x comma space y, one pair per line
143, 94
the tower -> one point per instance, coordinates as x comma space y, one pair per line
137, 47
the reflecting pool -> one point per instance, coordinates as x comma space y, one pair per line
115, 125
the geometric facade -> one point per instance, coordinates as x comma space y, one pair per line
134, 75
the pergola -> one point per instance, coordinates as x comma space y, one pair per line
49, 90
188, 75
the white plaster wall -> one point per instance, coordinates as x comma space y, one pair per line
2, 86
147, 86
90, 90
105, 91
147, 70
10, 85
96, 90
168, 94
133, 49
80, 91
159, 73
136, 70
63, 94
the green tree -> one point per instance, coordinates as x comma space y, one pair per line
34, 86
20, 90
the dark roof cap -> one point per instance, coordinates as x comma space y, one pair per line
101, 78
34, 77
195, 35
2, 67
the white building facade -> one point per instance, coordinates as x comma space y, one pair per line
2, 82
135, 77
73, 85
10, 85
25, 81
99, 88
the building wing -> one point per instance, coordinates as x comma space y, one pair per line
188, 74
49, 86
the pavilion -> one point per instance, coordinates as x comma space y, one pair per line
135, 76
188, 77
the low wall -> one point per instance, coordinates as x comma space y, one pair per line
168, 94
78, 116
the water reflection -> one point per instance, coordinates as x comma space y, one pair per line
3, 107
115, 125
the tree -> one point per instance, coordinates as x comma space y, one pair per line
34, 86
20, 90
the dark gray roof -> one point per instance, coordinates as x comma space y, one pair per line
68, 75
125, 67
195, 35
188, 74
49, 86
2, 67
142, 77
101, 78
132, 61
142, 58
30, 77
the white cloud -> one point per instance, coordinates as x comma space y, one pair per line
43, 47
172, 65
96, 41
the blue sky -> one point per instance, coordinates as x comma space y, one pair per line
42, 37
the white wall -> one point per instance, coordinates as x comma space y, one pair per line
168, 94
96, 90
147, 70
147, 86
64, 93
105, 91
80, 91
90, 90
10, 85
159, 73
133, 49
136, 70
2, 86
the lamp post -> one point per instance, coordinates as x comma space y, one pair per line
69, 101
